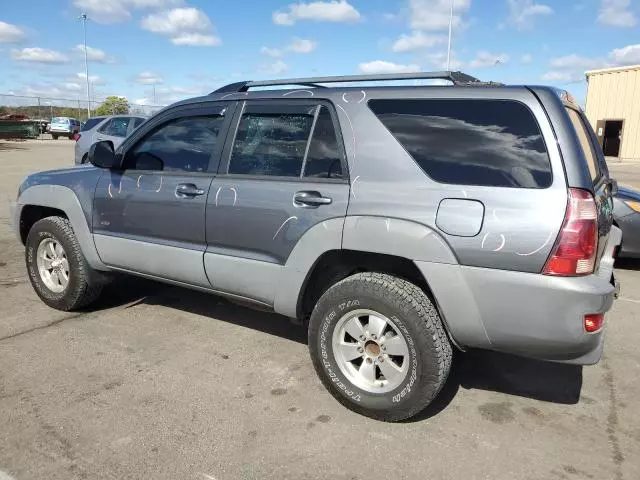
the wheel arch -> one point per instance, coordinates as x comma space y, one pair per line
40, 201
335, 265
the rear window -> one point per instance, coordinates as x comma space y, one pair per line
92, 122
585, 143
60, 120
470, 142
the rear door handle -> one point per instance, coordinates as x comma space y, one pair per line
310, 199
187, 190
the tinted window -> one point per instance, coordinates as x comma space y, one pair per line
137, 121
117, 127
271, 140
585, 143
470, 142
183, 144
91, 123
323, 157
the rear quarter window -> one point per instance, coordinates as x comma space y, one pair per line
470, 142
585, 143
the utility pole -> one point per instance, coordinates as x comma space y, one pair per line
84, 19
449, 44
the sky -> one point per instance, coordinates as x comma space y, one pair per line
183, 48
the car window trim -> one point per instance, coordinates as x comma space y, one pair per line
226, 109
223, 170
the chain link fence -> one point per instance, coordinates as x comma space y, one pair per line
43, 109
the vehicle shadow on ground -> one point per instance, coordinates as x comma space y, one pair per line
128, 292
627, 264
477, 369
508, 374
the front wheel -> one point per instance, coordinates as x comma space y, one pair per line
379, 346
57, 269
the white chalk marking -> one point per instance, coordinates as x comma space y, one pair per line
283, 224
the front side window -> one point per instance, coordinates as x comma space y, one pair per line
182, 144
470, 141
117, 127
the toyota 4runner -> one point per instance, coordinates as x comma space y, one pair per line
396, 222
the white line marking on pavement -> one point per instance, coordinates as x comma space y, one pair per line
632, 300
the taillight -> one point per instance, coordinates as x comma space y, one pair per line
577, 245
76, 136
593, 322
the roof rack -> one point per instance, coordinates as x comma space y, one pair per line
457, 78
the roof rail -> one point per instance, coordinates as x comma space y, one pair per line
457, 78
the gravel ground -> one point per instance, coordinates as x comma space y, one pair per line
158, 382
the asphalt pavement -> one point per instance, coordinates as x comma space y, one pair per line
158, 382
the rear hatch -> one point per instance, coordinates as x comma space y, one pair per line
602, 189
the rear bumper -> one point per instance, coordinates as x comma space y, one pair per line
526, 314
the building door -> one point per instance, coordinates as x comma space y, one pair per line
610, 136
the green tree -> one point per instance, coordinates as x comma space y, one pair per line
113, 105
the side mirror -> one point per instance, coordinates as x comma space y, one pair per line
101, 155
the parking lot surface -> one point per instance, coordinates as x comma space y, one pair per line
158, 382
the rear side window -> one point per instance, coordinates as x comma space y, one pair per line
285, 140
585, 143
271, 140
92, 122
470, 142
324, 159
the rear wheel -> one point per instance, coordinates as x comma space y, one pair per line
379, 346
57, 269
55, 136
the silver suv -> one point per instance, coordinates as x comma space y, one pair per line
397, 223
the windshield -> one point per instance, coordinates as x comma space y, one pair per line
60, 120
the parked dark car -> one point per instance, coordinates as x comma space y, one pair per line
626, 212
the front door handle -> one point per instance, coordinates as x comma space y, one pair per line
310, 199
187, 190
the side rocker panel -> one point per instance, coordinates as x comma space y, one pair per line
63, 198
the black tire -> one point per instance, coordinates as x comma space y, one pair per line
430, 351
71, 136
55, 137
83, 287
